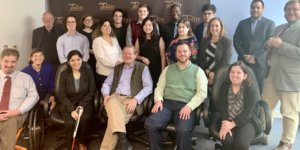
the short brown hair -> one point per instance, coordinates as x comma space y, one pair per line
10, 52
34, 51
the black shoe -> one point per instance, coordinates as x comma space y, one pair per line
123, 143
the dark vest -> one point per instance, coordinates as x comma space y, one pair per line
136, 82
136, 31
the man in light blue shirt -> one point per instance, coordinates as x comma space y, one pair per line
128, 85
15, 100
72, 40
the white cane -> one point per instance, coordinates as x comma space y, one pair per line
79, 111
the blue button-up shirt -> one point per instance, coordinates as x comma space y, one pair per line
124, 83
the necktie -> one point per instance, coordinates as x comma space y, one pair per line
270, 51
175, 30
6, 94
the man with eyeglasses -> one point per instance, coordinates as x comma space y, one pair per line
283, 82
72, 40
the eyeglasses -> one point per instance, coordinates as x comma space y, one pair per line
71, 22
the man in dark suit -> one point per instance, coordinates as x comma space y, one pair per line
249, 39
169, 31
45, 37
208, 12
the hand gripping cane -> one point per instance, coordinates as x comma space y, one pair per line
79, 111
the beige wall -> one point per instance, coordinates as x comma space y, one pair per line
18, 19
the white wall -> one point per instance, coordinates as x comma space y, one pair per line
233, 11
18, 19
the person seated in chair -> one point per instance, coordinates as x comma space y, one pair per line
238, 98
127, 85
42, 74
18, 95
181, 88
77, 88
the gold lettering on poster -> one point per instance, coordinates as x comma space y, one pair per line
75, 7
170, 3
191, 18
106, 6
158, 19
135, 4
59, 19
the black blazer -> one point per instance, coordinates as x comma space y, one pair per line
167, 32
222, 55
68, 96
247, 43
199, 32
38, 34
251, 96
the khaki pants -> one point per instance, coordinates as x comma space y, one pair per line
117, 119
8, 132
290, 106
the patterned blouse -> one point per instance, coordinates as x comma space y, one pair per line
235, 102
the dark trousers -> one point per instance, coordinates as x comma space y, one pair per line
241, 138
158, 121
99, 81
70, 125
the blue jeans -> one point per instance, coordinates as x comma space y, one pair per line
158, 121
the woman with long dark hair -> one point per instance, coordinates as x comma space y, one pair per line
151, 49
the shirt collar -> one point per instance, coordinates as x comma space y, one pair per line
130, 66
13, 75
140, 21
73, 34
185, 67
255, 20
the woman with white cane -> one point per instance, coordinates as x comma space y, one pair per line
77, 88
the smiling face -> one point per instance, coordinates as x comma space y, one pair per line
71, 24
48, 20
37, 58
143, 12
129, 55
106, 28
256, 10
182, 29
183, 53
75, 62
175, 13
215, 28
237, 75
148, 27
118, 17
88, 22
292, 12
9, 64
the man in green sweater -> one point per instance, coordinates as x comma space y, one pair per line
181, 88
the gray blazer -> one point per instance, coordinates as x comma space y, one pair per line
285, 62
222, 55
246, 43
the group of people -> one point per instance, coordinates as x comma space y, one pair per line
129, 62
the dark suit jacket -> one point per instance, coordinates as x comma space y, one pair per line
67, 94
199, 32
38, 33
222, 55
247, 43
167, 32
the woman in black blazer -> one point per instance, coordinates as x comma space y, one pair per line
238, 97
215, 49
77, 88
